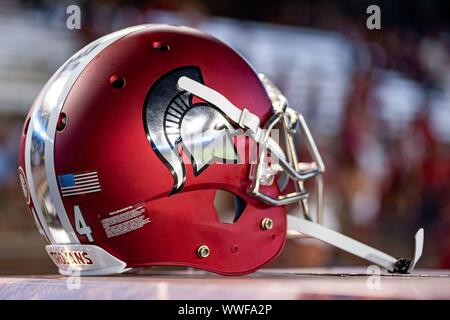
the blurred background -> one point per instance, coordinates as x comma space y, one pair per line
377, 101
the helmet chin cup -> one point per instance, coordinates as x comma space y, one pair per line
286, 161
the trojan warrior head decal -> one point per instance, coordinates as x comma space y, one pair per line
173, 122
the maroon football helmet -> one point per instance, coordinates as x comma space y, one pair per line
160, 146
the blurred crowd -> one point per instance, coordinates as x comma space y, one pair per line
386, 176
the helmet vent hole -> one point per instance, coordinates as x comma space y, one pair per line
62, 122
159, 46
27, 124
229, 207
116, 81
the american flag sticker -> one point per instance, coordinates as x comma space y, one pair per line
80, 183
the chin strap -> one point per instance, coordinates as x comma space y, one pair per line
338, 240
242, 117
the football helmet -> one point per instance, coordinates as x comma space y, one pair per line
159, 145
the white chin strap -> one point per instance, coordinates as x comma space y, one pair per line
300, 226
244, 118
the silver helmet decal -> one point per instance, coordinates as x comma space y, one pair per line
174, 124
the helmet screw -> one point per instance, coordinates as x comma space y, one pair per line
203, 251
266, 224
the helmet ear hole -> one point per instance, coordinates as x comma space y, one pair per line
228, 206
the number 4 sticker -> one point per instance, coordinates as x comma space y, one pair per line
80, 225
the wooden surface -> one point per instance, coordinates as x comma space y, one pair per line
337, 283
